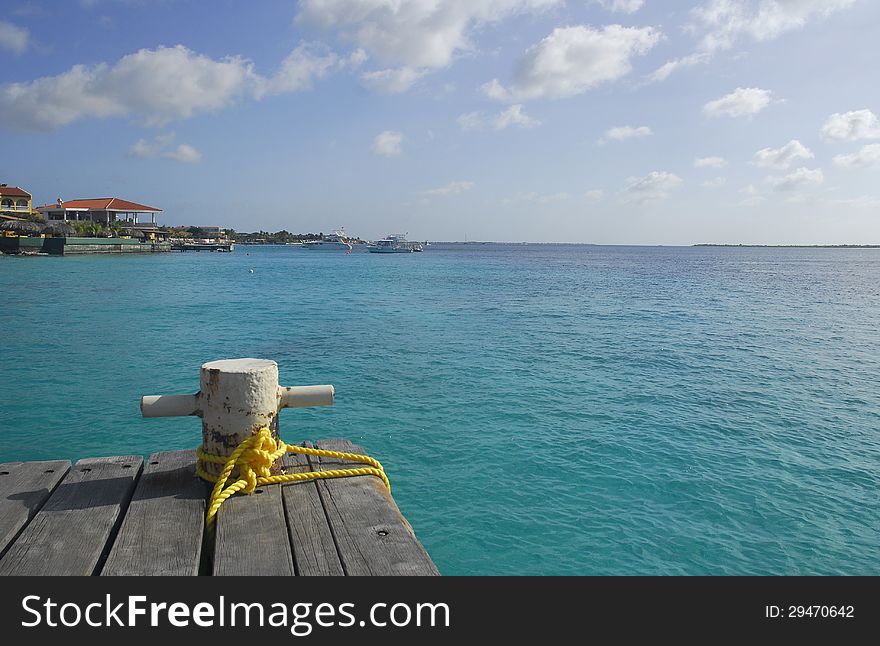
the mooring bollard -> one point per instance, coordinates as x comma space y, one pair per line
237, 398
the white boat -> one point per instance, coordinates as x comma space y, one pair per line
332, 242
392, 243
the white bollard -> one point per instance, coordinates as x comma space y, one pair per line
237, 398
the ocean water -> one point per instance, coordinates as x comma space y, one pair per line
540, 409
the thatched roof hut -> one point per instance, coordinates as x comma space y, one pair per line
58, 229
21, 227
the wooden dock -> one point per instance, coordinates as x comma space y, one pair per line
122, 516
203, 246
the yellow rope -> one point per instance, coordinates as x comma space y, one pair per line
254, 458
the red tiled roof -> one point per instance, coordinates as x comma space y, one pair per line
13, 191
105, 204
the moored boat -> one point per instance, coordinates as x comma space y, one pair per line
332, 242
393, 243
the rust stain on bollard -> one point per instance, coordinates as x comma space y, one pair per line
237, 398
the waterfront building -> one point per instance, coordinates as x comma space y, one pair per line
14, 201
105, 210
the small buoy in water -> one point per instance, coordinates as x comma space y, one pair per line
251, 270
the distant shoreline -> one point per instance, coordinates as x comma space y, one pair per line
794, 246
593, 244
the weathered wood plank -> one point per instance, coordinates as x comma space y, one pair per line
314, 550
162, 530
371, 535
251, 536
68, 536
24, 487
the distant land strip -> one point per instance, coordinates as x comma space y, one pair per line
794, 246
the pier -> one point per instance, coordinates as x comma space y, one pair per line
203, 246
122, 515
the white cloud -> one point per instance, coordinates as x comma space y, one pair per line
301, 68
413, 33
622, 6
391, 80
801, 178
149, 149
741, 102
514, 116
621, 133
650, 188
753, 196
452, 188
595, 194
388, 143
710, 162
721, 23
666, 70
534, 197
471, 121
724, 22
851, 126
781, 158
184, 153
715, 183
13, 37
156, 86
867, 157
572, 60
160, 146
862, 202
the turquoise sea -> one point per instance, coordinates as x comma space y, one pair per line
540, 409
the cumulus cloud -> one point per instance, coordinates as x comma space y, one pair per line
621, 133
391, 80
710, 162
419, 35
514, 116
851, 126
781, 158
867, 157
162, 146
452, 188
654, 186
184, 153
155, 86
862, 202
666, 70
471, 121
622, 6
388, 143
753, 197
301, 68
715, 183
724, 22
720, 24
13, 37
538, 198
594, 195
572, 60
801, 178
742, 102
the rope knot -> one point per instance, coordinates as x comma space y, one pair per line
254, 458
260, 453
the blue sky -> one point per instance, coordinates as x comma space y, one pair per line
615, 121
